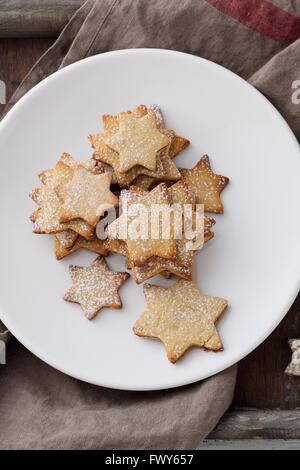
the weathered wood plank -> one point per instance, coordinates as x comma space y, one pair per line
35, 18
261, 381
17, 56
258, 424
260, 444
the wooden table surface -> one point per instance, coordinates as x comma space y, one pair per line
261, 380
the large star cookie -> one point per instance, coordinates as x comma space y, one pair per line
95, 287
87, 196
105, 154
206, 185
180, 317
137, 141
294, 366
165, 168
111, 159
152, 240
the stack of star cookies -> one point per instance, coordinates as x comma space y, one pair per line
71, 201
138, 148
133, 166
150, 256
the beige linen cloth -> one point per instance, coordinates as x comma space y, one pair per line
41, 408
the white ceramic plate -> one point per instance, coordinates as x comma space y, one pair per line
253, 261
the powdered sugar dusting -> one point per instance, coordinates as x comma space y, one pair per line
179, 316
95, 287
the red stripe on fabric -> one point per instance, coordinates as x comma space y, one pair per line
263, 17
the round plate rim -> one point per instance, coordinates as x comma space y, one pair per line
294, 289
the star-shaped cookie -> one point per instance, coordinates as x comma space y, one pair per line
65, 168
165, 168
86, 197
111, 158
95, 287
142, 247
294, 366
62, 173
47, 218
181, 264
206, 185
180, 317
137, 141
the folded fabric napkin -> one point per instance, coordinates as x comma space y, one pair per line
41, 408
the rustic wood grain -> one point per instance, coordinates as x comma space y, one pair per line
261, 379
17, 56
35, 18
258, 424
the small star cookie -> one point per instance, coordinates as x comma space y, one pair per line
206, 185
86, 196
142, 247
137, 141
95, 287
294, 366
180, 317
